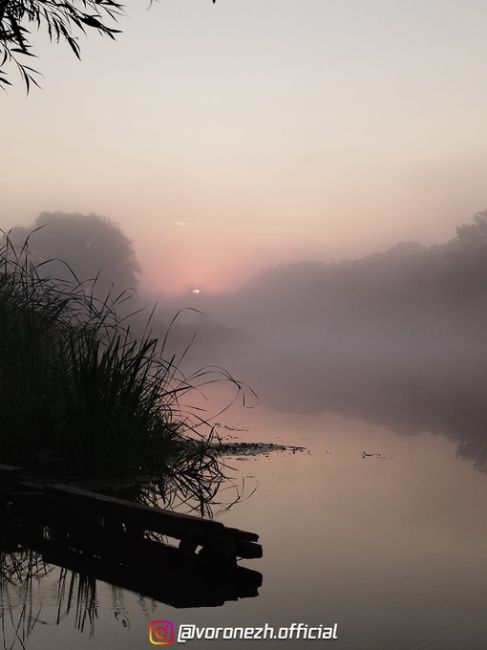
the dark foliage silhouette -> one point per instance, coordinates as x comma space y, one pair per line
90, 244
64, 21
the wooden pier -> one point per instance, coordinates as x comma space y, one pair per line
103, 519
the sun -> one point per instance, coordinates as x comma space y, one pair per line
196, 291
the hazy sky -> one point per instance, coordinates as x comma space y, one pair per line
225, 137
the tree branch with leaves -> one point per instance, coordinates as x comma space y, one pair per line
65, 20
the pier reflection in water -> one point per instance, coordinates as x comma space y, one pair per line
41, 543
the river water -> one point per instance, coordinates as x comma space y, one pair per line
378, 526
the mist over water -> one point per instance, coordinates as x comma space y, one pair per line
293, 192
397, 337
377, 367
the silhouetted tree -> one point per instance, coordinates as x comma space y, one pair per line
90, 244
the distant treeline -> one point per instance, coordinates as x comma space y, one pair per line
411, 289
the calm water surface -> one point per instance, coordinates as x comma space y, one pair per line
393, 548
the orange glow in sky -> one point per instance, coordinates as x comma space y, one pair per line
226, 138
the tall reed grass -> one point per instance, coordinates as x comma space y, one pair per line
79, 388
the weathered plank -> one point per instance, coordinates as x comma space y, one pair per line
143, 566
244, 534
191, 530
157, 520
108, 515
248, 550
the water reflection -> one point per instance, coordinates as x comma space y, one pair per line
42, 546
22, 609
391, 550
440, 392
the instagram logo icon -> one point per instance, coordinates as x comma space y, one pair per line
161, 632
